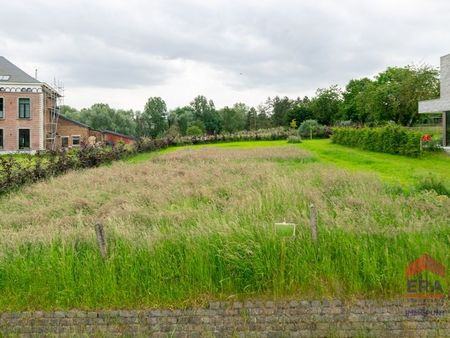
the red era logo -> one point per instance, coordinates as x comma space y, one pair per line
424, 288
425, 262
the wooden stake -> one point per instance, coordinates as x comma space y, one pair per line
313, 220
101, 239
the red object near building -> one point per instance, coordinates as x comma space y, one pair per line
426, 138
111, 137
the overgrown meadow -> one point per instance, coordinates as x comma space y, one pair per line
198, 224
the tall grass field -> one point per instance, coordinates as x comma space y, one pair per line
195, 224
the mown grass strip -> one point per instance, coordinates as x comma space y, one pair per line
392, 168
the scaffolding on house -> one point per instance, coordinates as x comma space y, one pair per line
53, 104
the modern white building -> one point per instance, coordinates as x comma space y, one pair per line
441, 105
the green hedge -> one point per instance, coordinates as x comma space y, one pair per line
390, 139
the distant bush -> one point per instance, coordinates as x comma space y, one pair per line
194, 131
392, 139
294, 139
313, 129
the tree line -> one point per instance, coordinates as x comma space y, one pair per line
391, 95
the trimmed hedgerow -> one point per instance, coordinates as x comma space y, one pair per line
390, 139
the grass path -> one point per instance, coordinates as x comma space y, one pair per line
391, 168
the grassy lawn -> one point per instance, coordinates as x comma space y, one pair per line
198, 223
392, 168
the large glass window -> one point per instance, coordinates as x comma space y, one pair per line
24, 108
24, 138
2, 109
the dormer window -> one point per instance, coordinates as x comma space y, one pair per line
4, 77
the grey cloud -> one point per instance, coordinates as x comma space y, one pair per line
284, 45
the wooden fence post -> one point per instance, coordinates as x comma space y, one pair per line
313, 221
101, 239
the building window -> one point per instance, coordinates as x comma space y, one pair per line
2, 109
24, 108
1, 138
64, 141
76, 141
24, 138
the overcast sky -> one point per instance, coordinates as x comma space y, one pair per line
122, 52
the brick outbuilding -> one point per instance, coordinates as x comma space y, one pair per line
112, 137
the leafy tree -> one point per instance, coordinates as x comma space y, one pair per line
153, 120
98, 116
326, 104
397, 92
102, 117
183, 117
205, 112
124, 122
300, 110
233, 119
354, 96
263, 120
70, 112
241, 113
280, 110
251, 119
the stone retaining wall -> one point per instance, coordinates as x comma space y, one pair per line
294, 318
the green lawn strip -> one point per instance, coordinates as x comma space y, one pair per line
391, 168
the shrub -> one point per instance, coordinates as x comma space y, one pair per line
390, 139
194, 131
294, 139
